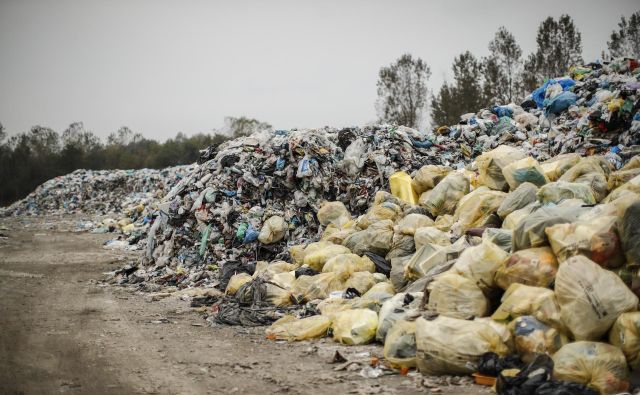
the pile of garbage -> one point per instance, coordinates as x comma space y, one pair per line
126, 197
509, 235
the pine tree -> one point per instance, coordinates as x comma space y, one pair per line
626, 41
402, 91
559, 47
444, 109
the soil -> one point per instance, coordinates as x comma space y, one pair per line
64, 331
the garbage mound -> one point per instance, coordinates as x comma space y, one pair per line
507, 246
127, 195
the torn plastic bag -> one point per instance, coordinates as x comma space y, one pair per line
445, 196
237, 281
591, 298
625, 334
450, 346
490, 165
530, 232
430, 256
520, 299
476, 209
398, 308
361, 281
273, 230
290, 328
480, 263
532, 337
534, 266
400, 345
400, 186
377, 239
355, 327
555, 167
596, 239
411, 222
453, 295
555, 192
524, 170
333, 213
522, 196
427, 177
317, 259
500, 237
598, 365
430, 235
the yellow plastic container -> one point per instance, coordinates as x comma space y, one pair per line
400, 184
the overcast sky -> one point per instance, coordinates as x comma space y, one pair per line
161, 67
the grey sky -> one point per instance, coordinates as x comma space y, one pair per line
161, 67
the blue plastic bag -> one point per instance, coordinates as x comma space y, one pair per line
561, 102
539, 94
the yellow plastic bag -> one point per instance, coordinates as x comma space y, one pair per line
512, 220
297, 254
593, 172
444, 222
445, 196
621, 177
453, 295
591, 298
480, 263
430, 235
598, 365
534, 266
264, 267
400, 345
300, 287
349, 263
361, 281
532, 337
273, 230
625, 334
450, 346
323, 284
632, 186
355, 327
521, 197
333, 213
555, 167
290, 328
236, 281
318, 258
278, 289
524, 170
428, 177
380, 292
475, 209
409, 224
380, 212
336, 235
554, 192
596, 239
377, 238
490, 165
400, 185
520, 299
430, 256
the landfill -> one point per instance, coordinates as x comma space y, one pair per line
505, 247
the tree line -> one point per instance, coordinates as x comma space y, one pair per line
502, 77
31, 158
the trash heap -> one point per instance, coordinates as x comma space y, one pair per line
510, 235
127, 197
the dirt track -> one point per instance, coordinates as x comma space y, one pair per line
62, 331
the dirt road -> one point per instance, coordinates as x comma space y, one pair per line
63, 331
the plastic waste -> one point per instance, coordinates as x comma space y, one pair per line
400, 345
355, 327
348, 263
453, 295
490, 165
500, 237
450, 346
522, 196
476, 210
273, 230
625, 334
444, 197
290, 328
524, 170
317, 259
431, 256
598, 365
237, 281
410, 223
555, 192
430, 235
400, 185
480, 263
520, 300
377, 239
427, 177
532, 337
555, 167
333, 213
590, 297
534, 266
400, 307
